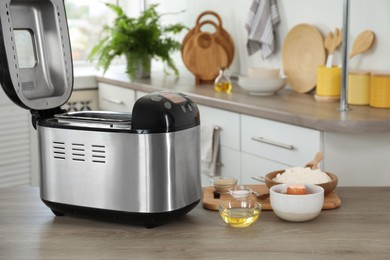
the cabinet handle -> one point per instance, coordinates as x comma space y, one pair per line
272, 142
114, 101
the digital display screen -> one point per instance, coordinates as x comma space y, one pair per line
173, 97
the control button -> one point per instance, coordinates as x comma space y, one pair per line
156, 98
183, 108
167, 105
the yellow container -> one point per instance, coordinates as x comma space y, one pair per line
380, 90
328, 81
359, 88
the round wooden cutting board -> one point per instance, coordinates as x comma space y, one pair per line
303, 52
204, 53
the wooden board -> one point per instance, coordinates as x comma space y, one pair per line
221, 35
331, 201
204, 53
303, 52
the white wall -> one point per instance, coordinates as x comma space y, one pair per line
326, 15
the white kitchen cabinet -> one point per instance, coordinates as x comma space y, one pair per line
229, 165
229, 154
114, 98
139, 94
280, 142
228, 122
269, 146
257, 166
18, 147
360, 159
82, 100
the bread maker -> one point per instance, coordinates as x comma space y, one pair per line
141, 167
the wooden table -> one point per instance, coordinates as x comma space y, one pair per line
359, 229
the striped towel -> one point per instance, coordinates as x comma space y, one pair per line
263, 16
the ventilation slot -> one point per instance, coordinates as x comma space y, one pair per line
59, 150
98, 154
78, 152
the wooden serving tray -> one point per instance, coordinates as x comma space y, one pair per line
331, 201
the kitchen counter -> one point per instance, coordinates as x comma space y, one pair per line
359, 229
287, 106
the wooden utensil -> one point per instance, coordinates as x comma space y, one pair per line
332, 42
314, 163
362, 43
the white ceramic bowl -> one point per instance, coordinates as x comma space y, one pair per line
297, 208
262, 86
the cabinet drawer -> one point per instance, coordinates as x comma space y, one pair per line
114, 98
257, 166
228, 122
284, 143
230, 165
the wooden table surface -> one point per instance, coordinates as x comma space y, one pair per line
359, 229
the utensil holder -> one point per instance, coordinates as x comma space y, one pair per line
328, 81
359, 88
380, 90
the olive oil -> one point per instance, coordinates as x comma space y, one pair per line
222, 83
223, 87
240, 217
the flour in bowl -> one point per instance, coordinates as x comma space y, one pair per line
302, 175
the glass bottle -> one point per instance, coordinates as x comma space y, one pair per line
222, 83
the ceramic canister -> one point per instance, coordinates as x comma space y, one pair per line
358, 87
328, 81
380, 90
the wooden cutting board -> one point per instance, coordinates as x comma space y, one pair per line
204, 53
303, 52
206, 57
331, 201
221, 35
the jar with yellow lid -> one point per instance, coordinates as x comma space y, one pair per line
380, 90
358, 87
328, 84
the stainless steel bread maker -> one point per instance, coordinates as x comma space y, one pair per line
141, 167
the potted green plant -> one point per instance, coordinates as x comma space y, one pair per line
139, 40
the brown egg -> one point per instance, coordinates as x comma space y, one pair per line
296, 189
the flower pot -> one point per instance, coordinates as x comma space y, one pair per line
141, 72
138, 68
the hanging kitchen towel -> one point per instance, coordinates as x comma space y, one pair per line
209, 148
263, 16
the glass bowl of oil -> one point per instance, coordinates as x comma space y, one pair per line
240, 213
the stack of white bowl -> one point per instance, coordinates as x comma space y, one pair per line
262, 81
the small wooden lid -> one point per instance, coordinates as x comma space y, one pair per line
326, 98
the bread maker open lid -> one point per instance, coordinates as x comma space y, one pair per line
35, 54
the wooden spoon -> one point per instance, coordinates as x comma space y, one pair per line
362, 43
314, 164
332, 42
